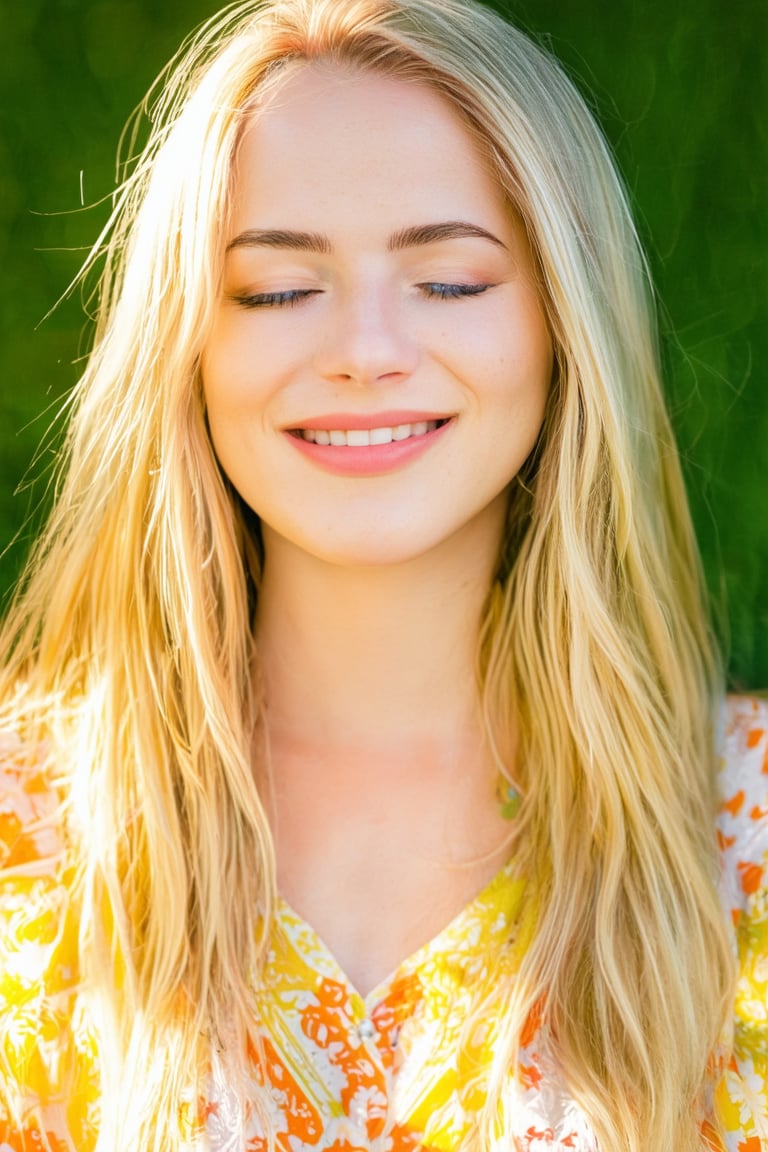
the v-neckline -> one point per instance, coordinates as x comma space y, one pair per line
452, 939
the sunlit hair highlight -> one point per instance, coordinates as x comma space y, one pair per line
128, 647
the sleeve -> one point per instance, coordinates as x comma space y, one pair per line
47, 1070
742, 1094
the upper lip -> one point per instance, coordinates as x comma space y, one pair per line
352, 421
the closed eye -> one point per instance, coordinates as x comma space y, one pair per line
289, 298
437, 291
292, 296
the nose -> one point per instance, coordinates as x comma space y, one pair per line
366, 339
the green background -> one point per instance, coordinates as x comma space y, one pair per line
681, 91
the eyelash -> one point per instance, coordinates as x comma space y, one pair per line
275, 299
294, 296
437, 291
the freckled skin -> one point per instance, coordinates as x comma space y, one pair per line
358, 157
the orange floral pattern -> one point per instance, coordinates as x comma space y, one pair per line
395, 1071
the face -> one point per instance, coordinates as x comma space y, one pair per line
379, 362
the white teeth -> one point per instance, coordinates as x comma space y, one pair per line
363, 437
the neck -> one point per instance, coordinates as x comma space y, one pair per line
379, 784
376, 658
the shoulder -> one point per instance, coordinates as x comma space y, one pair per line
33, 867
29, 807
38, 928
743, 835
743, 793
744, 738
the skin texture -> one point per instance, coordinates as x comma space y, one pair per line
382, 791
357, 159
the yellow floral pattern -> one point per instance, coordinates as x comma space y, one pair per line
390, 1072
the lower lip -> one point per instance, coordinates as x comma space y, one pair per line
369, 460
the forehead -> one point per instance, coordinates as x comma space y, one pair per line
335, 142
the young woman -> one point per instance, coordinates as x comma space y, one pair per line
364, 738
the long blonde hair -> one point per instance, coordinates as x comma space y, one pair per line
128, 646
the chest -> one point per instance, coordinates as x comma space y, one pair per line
408, 1065
378, 875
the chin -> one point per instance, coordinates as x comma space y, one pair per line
374, 546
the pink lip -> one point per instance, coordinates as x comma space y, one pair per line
374, 459
353, 422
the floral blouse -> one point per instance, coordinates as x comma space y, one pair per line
388, 1072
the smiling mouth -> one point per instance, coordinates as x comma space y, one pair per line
366, 437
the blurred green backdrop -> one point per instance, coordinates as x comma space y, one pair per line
681, 91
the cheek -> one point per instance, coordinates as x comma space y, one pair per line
532, 359
231, 393
237, 377
518, 390
509, 362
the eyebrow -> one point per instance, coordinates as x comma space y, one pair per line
406, 238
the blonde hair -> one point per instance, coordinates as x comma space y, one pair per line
129, 644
